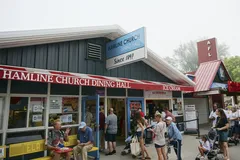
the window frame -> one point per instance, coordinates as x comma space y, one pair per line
68, 96
27, 128
3, 95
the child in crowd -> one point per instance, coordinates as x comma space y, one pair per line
204, 147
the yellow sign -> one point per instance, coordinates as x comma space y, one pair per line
35, 146
2, 151
26, 148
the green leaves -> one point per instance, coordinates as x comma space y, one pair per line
232, 64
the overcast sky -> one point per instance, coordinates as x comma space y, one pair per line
168, 22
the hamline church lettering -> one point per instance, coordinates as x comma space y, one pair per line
24, 76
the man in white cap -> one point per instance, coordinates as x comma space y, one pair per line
84, 142
175, 137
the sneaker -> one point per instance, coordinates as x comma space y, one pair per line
108, 154
114, 152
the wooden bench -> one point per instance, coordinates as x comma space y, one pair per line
21, 149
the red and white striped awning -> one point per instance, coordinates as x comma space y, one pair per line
49, 76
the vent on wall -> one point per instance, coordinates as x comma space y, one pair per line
94, 51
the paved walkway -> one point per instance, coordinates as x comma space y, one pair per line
189, 150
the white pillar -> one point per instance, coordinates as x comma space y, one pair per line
182, 103
233, 102
6, 112
126, 95
80, 105
47, 114
105, 109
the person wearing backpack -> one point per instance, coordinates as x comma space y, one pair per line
56, 138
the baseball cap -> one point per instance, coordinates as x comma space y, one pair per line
169, 118
82, 125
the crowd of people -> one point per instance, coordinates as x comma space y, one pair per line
222, 121
226, 122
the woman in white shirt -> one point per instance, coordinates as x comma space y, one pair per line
235, 123
159, 139
204, 147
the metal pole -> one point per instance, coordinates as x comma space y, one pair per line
198, 128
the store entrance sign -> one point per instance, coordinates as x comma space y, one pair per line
71, 80
158, 94
126, 49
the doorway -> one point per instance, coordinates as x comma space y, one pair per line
119, 108
156, 105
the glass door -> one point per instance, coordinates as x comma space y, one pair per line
90, 115
133, 105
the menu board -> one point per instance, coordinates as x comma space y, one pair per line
190, 114
55, 105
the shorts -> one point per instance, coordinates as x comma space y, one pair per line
139, 134
223, 136
110, 137
159, 146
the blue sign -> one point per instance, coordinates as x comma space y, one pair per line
219, 85
126, 43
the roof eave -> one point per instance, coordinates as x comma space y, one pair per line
34, 37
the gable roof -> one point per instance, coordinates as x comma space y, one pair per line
205, 75
34, 37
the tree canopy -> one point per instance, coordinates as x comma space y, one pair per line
233, 66
185, 57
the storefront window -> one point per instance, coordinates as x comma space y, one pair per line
156, 105
18, 112
1, 112
64, 109
36, 113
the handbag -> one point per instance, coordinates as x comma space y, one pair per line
135, 146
